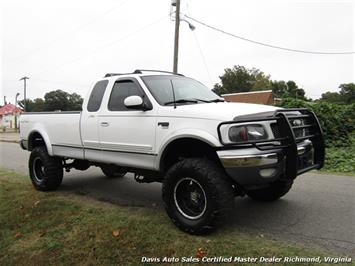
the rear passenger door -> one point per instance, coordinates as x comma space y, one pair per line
89, 121
127, 137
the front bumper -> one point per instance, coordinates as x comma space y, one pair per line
251, 167
286, 155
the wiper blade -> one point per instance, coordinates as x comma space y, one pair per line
200, 100
210, 101
217, 100
195, 100
181, 101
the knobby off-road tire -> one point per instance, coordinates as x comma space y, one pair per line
197, 195
113, 171
46, 172
275, 191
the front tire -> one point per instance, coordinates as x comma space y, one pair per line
275, 191
197, 195
46, 172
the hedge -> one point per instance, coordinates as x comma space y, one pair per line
337, 120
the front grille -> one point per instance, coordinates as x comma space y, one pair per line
275, 130
303, 127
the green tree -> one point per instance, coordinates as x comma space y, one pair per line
56, 100
294, 91
290, 89
63, 101
75, 102
347, 92
279, 88
36, 105
345, 96
332, 97
53, 101
242, 79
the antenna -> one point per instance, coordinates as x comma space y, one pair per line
172, 87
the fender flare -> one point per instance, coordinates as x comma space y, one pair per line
185, 134
45, 139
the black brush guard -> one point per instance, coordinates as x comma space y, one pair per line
288, 135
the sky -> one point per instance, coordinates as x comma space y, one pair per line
68, 45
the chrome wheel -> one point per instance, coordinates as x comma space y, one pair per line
190, 198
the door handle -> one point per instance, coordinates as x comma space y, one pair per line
163, 124
104, 124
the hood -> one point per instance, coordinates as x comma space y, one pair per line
224, 111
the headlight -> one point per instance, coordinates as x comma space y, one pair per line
300, 132
247, 133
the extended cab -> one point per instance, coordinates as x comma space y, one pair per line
172, 129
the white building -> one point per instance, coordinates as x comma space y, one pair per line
9, 114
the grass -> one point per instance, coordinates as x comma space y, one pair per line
59, 228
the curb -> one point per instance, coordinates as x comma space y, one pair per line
9, 140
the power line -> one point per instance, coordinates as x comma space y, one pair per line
203, 57
100, 48
267, 44
200, 48
55, 40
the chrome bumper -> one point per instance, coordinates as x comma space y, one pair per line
230, 160
238, 158
250, 167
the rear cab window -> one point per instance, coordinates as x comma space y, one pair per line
96, 96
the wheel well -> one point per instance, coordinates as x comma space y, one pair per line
186, 148
35, 140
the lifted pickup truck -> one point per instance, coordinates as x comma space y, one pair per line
172, 129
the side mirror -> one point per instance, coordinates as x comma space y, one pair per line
134, 102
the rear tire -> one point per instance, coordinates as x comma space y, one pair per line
113, 171
197, 195
46, 172
275, 191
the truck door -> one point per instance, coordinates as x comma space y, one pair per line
89, 121
127, 137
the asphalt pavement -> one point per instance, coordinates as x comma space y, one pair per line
318, 211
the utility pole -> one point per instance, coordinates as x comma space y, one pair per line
176, 41
24, 92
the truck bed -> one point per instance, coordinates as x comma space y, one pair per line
60, 129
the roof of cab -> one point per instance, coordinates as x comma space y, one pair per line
141, 72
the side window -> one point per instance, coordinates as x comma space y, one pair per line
120, 91
96, 95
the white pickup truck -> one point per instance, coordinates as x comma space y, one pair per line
172, 129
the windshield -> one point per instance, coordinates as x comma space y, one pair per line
187, 90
